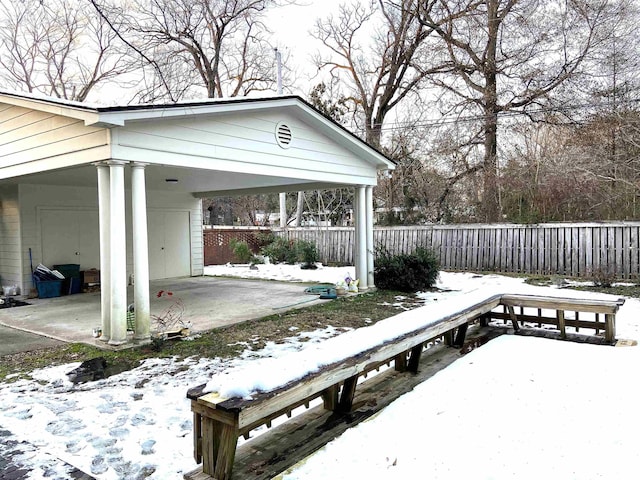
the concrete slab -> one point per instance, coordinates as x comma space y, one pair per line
209, 302
16, 341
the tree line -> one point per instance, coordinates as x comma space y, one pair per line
494, 110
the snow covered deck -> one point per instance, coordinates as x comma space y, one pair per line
227, 407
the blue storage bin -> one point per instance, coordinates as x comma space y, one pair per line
49, 288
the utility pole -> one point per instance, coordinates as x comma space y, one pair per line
283, 195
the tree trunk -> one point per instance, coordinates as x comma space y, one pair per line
491, 206
490, 201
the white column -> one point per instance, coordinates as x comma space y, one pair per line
140, 252
356, 251
105, 266
283, 209
370, 245
118, 254
361, 237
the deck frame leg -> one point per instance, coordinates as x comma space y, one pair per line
610, 327
561, 323
226, 451
197, 437
414, 358
514, 318
461, 334
400, 362
348, 392
448, 338
209, 445
330, 397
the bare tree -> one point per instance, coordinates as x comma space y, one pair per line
191, 45
58, 48
378, 51
509, 56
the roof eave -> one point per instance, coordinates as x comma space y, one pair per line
64, 108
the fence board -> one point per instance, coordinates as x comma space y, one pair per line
565, 249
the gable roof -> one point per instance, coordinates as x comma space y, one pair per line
117, 116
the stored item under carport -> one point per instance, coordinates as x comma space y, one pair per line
71, 283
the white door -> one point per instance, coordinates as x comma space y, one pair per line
70, 236
169, 244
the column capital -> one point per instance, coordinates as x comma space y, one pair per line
138, 164
115, 163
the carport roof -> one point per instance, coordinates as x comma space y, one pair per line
117, 116
211, 147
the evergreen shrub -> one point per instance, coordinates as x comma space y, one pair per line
280, 250
406, 272
241, 250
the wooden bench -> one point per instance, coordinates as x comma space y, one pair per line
218, 422
597, 307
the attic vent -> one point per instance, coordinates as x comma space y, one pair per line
283, 135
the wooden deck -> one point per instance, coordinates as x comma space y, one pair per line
282, 446
415, 356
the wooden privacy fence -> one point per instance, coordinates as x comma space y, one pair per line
217, 243
565, 249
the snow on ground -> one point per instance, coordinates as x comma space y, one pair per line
515, 408
523, 407
289, 273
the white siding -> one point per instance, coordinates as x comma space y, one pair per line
10, 265
36, 200
37, 141
186, 203
243, 143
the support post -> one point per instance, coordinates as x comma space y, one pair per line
118, 255
330, 397
361, 237
561, 323
458, 342
140, 253
283, 210
414, 358
348, 393
400, 362
370, 245
514, 318
610, 327
105, 255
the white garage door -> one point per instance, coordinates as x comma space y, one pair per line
70, 236
169, 244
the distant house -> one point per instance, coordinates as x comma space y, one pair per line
120, 188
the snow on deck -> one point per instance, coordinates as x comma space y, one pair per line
273, 373
517, 408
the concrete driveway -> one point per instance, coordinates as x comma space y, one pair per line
16, 341
209, 302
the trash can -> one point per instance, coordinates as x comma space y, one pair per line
71, 283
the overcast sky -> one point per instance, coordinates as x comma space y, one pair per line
291, 26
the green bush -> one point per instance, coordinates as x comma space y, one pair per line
406, 272
307, 252
241, 250
264, 238
281, 250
